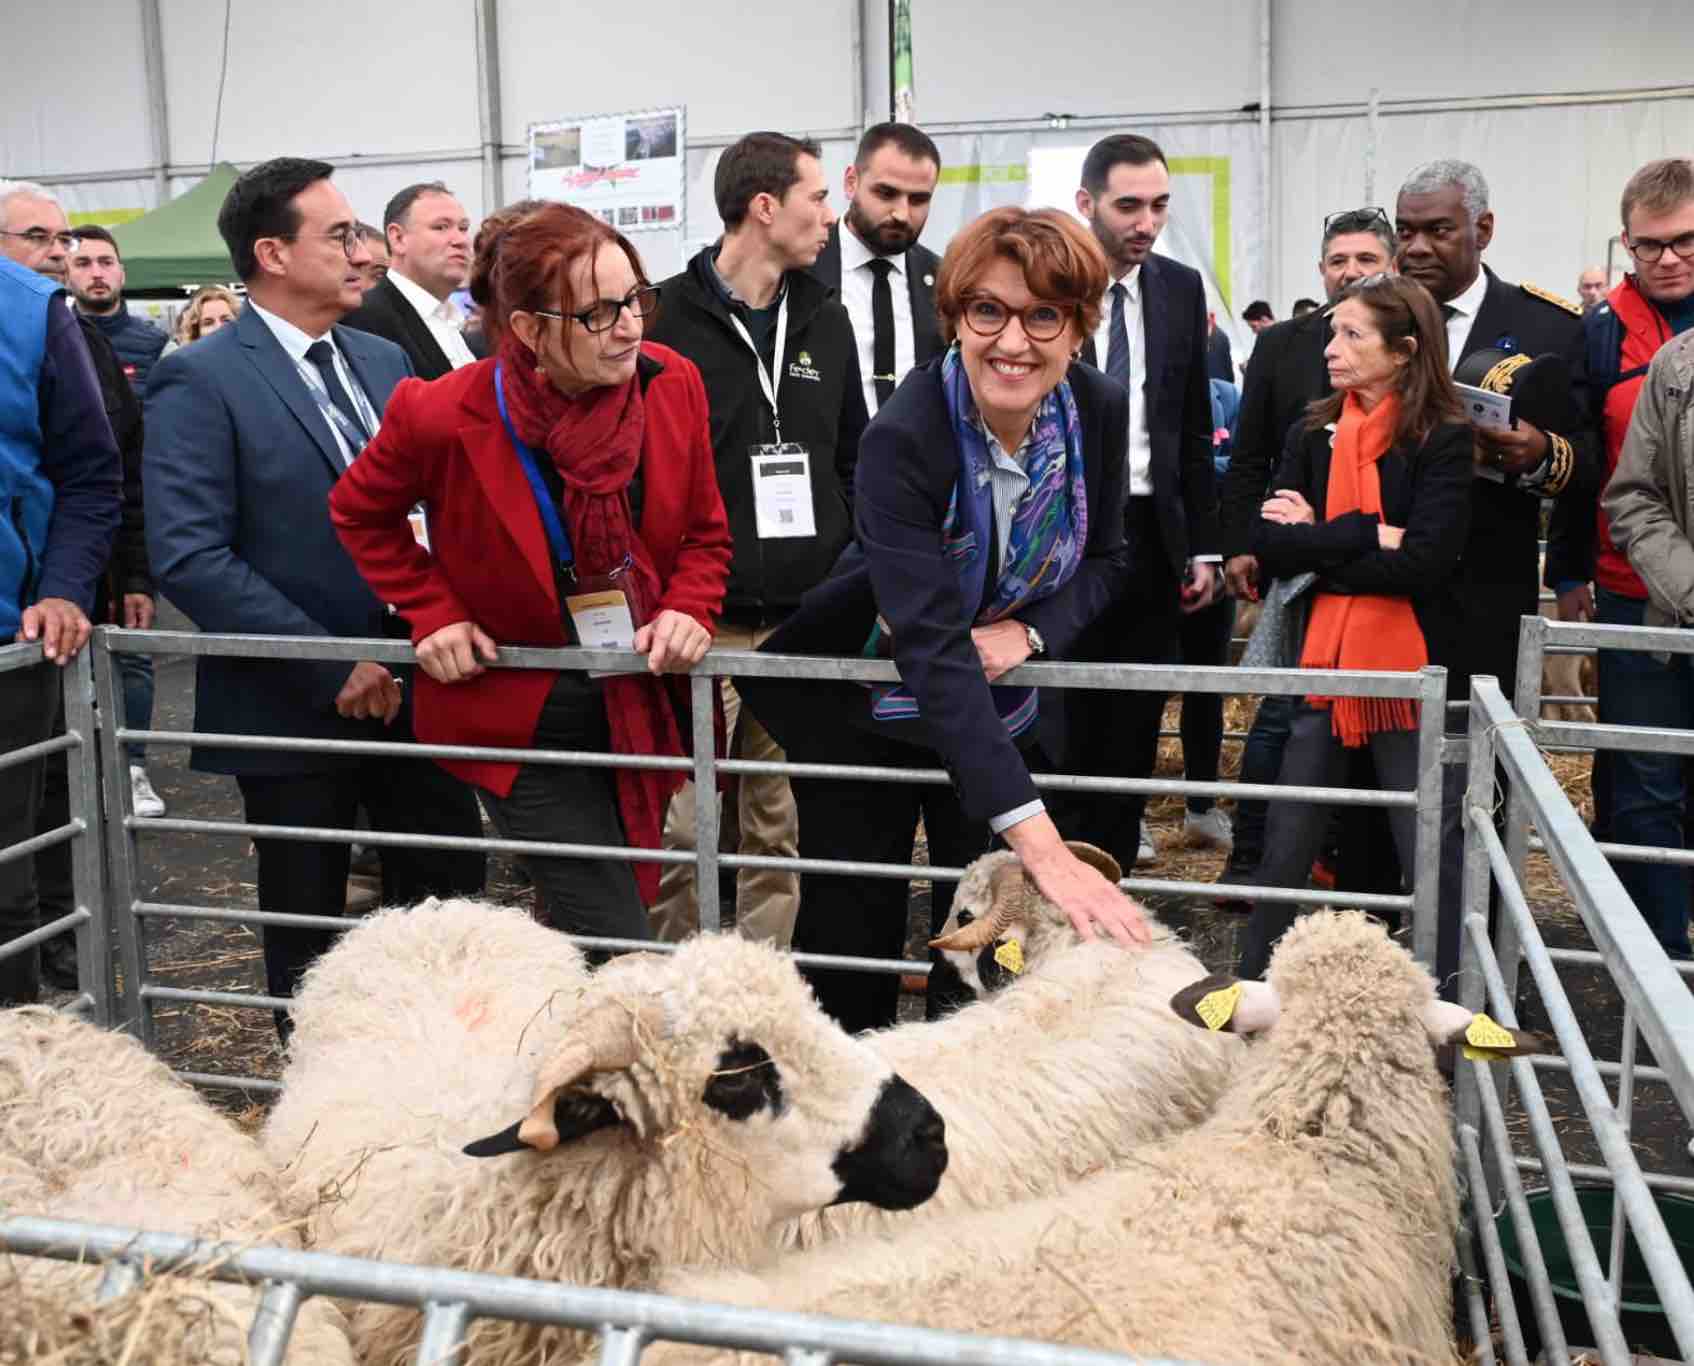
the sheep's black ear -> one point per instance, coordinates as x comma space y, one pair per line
575, 1114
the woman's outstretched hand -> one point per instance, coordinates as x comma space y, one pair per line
1079, 890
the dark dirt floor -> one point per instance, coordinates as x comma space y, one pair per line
219, 871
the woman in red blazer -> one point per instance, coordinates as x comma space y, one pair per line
570, 498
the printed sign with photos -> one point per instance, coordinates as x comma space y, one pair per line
630, 169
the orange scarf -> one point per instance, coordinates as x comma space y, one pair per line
1362, 631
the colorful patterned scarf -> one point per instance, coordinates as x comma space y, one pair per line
1048, 534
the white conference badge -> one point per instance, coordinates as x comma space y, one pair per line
603, 620
782, 491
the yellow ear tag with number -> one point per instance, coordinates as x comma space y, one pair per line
1217, 1008
1483, 1037
1010, 956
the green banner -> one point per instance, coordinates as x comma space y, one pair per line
900, 27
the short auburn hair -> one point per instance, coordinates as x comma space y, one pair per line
526, 268
1658, 187
1060, 260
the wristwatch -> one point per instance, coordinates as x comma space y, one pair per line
1037, 646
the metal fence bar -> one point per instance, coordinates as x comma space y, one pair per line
88, 854
620, 1346
1583, 1171
707, 818
39, 750
507, 1297
1426, 870
443, 1341
122, 856
1685, 969
273, 1323
59, 834
1494, 1256
72, 920
1625, 1105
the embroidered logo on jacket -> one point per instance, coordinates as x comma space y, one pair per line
801, 368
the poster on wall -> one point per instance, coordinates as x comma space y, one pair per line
630, 169
905, 106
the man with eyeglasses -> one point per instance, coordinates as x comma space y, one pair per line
781, 368
247, 432
1284, 374
429, 256
1639, 798
1442, 226
59, 467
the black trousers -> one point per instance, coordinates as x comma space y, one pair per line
411, 796
29, 702
870, 822
1116, 734
564, 805
1204, 640
1295, 831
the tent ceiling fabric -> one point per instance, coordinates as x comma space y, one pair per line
177, 243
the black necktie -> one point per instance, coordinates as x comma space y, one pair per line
322, 355
1117, 339
882, 329
1448, 313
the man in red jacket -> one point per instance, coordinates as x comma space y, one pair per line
1638, 797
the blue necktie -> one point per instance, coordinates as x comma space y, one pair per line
1117, 339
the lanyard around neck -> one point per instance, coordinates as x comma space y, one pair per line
769, 381
557, 537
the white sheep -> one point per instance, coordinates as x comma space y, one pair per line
93, 1128
1061, 1068
1311, 1219
679, 1107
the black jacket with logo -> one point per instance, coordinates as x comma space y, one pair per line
823, 408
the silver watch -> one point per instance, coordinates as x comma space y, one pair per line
1037, 646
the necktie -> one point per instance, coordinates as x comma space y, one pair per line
1117, 339
322, 355
1448, 313
882, 330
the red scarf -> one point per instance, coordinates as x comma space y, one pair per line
594, 442
1363, 630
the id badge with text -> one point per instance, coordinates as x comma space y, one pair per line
782, 491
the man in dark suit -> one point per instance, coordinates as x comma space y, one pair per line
247, 432
1285, 373
1152, 339
1443, 225
429, 256
873, 250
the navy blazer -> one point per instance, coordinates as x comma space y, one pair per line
238, 466
1178, 407
908, 465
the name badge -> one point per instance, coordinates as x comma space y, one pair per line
419, 521
603, 620
782, 491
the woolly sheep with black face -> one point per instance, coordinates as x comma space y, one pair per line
664, 1110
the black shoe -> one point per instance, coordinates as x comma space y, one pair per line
58, 963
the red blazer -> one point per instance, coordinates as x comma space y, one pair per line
443, 444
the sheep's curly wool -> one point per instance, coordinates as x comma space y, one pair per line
93, 1127
1311, 1219
424, 1029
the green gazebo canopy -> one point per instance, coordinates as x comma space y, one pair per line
177, 243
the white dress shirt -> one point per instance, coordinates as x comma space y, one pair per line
295, 343
857, 279
1465, 308
441, 316
1140, 453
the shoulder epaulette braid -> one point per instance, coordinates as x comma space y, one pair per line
1547, 296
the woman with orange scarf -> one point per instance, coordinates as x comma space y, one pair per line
1374, 496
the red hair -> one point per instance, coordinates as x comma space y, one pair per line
1061, 263
525, 264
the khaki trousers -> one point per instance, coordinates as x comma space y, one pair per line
765, 902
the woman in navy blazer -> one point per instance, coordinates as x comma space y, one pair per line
988, 509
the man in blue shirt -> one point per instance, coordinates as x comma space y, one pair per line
60, 463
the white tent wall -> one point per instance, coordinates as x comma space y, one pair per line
1557, 111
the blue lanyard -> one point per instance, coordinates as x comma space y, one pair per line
557, 537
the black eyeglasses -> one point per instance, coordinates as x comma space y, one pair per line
348, 237
40, 237
987, 317
1650, 249
1357, 220
603, 315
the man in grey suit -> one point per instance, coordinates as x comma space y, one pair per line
873, 261
247, 431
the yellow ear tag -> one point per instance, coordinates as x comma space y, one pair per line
1483, 1036
1010, 956
1217, 1008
